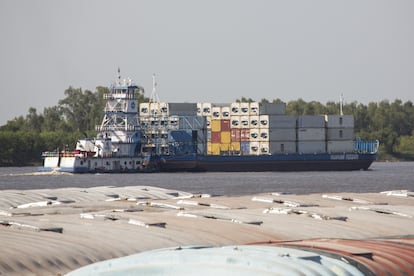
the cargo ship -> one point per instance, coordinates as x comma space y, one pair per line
238, 137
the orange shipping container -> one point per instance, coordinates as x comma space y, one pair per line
225, 125
235, 135
215, 137
225, 137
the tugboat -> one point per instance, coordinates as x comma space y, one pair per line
158, 136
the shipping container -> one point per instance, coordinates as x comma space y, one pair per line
254, 109
254, 121
225, 112
144, 109
235, 135
215, 137
282, 134
199, 109
273, 108
164, 110
183, 109
235, 121
276, 147
264, 121
154, 109
244, 122
235, 109
215, 125
264, 134
340, 133
254, 148
235, 146
206, 109
340, 146
336, 121
208, 122
216, 112
225, 137
254, 135
244, 109
208, 138
224, 147
282, 121
264, 148
311, 121
311, 134
245, 147
192, 122
215, 149
311, 146
245, 135
225, 125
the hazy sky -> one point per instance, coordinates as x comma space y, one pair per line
207, 51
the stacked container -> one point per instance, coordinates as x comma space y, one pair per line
340, 133
311, 134
277, 134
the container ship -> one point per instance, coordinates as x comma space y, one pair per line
237, 137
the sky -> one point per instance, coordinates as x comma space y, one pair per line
207, 51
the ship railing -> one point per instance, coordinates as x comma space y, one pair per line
114, 96
362, 146
117, 128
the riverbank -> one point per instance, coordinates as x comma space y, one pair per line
52, 231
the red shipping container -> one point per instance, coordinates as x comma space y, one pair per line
245, 134
235, 135
216, 137
225, 125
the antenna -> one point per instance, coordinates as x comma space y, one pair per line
341, 102
154, 95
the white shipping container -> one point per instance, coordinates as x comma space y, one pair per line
163, 108
199, 109
144, 109
282, 121
244, 109
254, 121
244, 122
235, 122
208, 122
311, 146
311, 134
340, 133
282, 134
225, 112
154, 109
254, 134
340, 146
264, 134
282, 147
235, 109
206, 109
339, 121
264, 148
264, 121
254, 148
254, 109
307, 121
216, 112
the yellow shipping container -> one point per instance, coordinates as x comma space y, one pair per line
225, 137
215, 149
235, 146
225, 146
216, 125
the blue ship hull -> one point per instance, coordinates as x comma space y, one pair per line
280, 162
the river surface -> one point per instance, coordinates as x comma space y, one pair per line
382, 176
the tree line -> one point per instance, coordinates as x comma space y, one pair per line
24, 138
